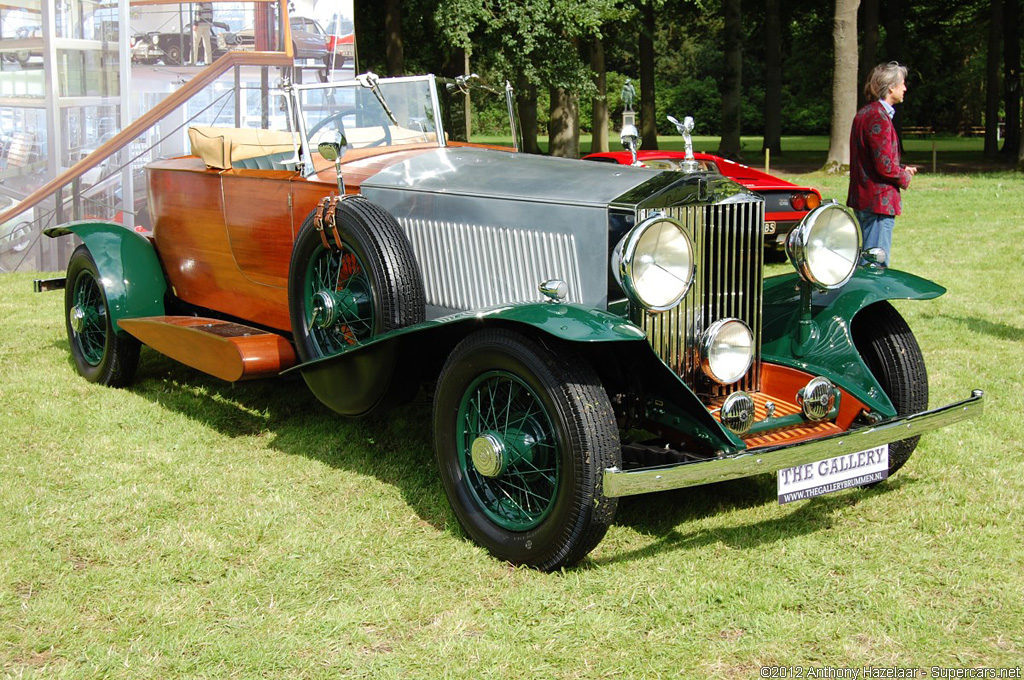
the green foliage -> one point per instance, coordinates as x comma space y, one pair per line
691, 97
545, 41
535, 39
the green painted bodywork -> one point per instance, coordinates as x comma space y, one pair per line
129, 269
571, 322
831, 352
370, 367
134, 284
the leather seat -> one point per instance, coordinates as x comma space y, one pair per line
268, 162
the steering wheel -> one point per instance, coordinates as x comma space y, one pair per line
337, 118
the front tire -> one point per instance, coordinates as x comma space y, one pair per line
522, 434
172, 55
891, 352
100, 355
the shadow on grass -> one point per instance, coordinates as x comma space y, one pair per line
661, 515
396, 449
984, 326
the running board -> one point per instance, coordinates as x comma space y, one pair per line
223, 349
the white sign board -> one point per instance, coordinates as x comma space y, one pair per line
834, 474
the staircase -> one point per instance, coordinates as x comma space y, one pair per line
94, 187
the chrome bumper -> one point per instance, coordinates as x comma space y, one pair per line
772, 459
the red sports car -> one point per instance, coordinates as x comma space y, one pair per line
785, 203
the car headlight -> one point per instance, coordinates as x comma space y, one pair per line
155, 39
655, 263
727, 350
825, 246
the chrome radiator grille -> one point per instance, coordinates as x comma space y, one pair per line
728, 241
468, 266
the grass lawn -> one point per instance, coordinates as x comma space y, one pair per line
185, 527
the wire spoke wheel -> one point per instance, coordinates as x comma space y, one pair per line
508, 451
522, 434
88, 319
352, 277
338, 300
101, 354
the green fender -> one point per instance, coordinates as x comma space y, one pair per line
129, 269
830, 351
385, 370
378, 373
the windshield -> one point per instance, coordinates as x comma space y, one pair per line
354, 110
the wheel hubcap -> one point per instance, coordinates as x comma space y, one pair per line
488, 455
76, 315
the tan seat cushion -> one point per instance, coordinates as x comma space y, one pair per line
218, 146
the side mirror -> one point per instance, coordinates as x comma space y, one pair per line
332, 145
332, 148
630, 140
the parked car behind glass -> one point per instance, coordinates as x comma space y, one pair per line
309, 40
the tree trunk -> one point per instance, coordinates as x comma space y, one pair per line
1011, 78
526, 102
599, 116
648, 122
868, 16
844, 85
732, 81
773, 79
564, 124
895, 31
992, 62
395, 49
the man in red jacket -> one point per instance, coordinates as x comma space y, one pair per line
876, 175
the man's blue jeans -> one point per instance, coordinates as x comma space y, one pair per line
877, 230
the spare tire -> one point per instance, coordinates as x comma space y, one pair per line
352, 276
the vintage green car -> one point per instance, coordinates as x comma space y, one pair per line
592, 331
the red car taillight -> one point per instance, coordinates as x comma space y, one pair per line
804, 201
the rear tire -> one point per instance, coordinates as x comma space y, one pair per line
101, 355
891, 352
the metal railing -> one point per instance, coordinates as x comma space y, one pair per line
78, 193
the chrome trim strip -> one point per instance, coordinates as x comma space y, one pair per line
772, 459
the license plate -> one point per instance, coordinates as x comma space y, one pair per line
769, 228
834, 474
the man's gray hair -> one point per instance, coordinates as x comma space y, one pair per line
883, 78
